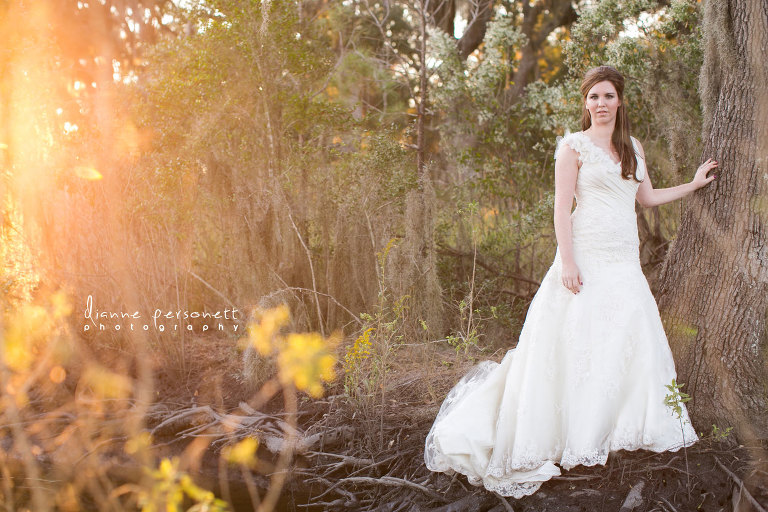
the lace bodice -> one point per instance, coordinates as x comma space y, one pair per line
604, 222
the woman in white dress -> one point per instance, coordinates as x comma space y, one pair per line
589, 371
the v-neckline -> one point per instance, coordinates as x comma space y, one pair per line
607, 155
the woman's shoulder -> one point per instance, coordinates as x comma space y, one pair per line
574, 141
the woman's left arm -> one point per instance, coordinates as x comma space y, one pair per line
648, 197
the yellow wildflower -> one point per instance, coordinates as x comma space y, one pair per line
268, 324
359, 351
243, 453
307, 360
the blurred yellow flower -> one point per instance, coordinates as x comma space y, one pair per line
268, 324
28, 323
205, 497
61, 305
242, 453
169, 488
104, 383
137, 443
307, 360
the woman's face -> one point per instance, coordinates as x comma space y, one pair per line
603, 103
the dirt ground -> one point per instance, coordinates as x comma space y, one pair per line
371, 458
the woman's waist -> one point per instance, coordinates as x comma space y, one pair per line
597, 256
613, 250
599, 249
596, 209
604, 227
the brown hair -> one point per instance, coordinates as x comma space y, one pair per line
620, 138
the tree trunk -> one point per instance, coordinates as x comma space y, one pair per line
412, 267
443, 12
475, 31
714, 281
539, 21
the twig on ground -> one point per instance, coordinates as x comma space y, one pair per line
504, 502
353, 461
576, 478
671, 506
330, 505
742, 487
393, 481
388, 459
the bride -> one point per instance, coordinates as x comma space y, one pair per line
588, 374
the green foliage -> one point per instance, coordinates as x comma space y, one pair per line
368, 361
719, 434
675, 398
369, 170
311, 115
494, 144
501, 152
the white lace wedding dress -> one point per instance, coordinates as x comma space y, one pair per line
589, 371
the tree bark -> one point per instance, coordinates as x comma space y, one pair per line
714, 281
539, 20
443, 13
475, 31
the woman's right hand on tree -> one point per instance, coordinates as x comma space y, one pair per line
572, 277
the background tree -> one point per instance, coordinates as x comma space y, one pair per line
714, 292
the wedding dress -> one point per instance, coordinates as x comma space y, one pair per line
588, 374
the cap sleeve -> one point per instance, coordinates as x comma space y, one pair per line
572, 140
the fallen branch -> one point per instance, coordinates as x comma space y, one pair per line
346, 459
742, 488
576, 478
206, 409
393, 481
671, 506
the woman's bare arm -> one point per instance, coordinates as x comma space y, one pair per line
648, 196
566, 171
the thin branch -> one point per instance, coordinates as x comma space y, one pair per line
312, 271
450, 251
217, 292
397, 482
742, 488
307, 290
